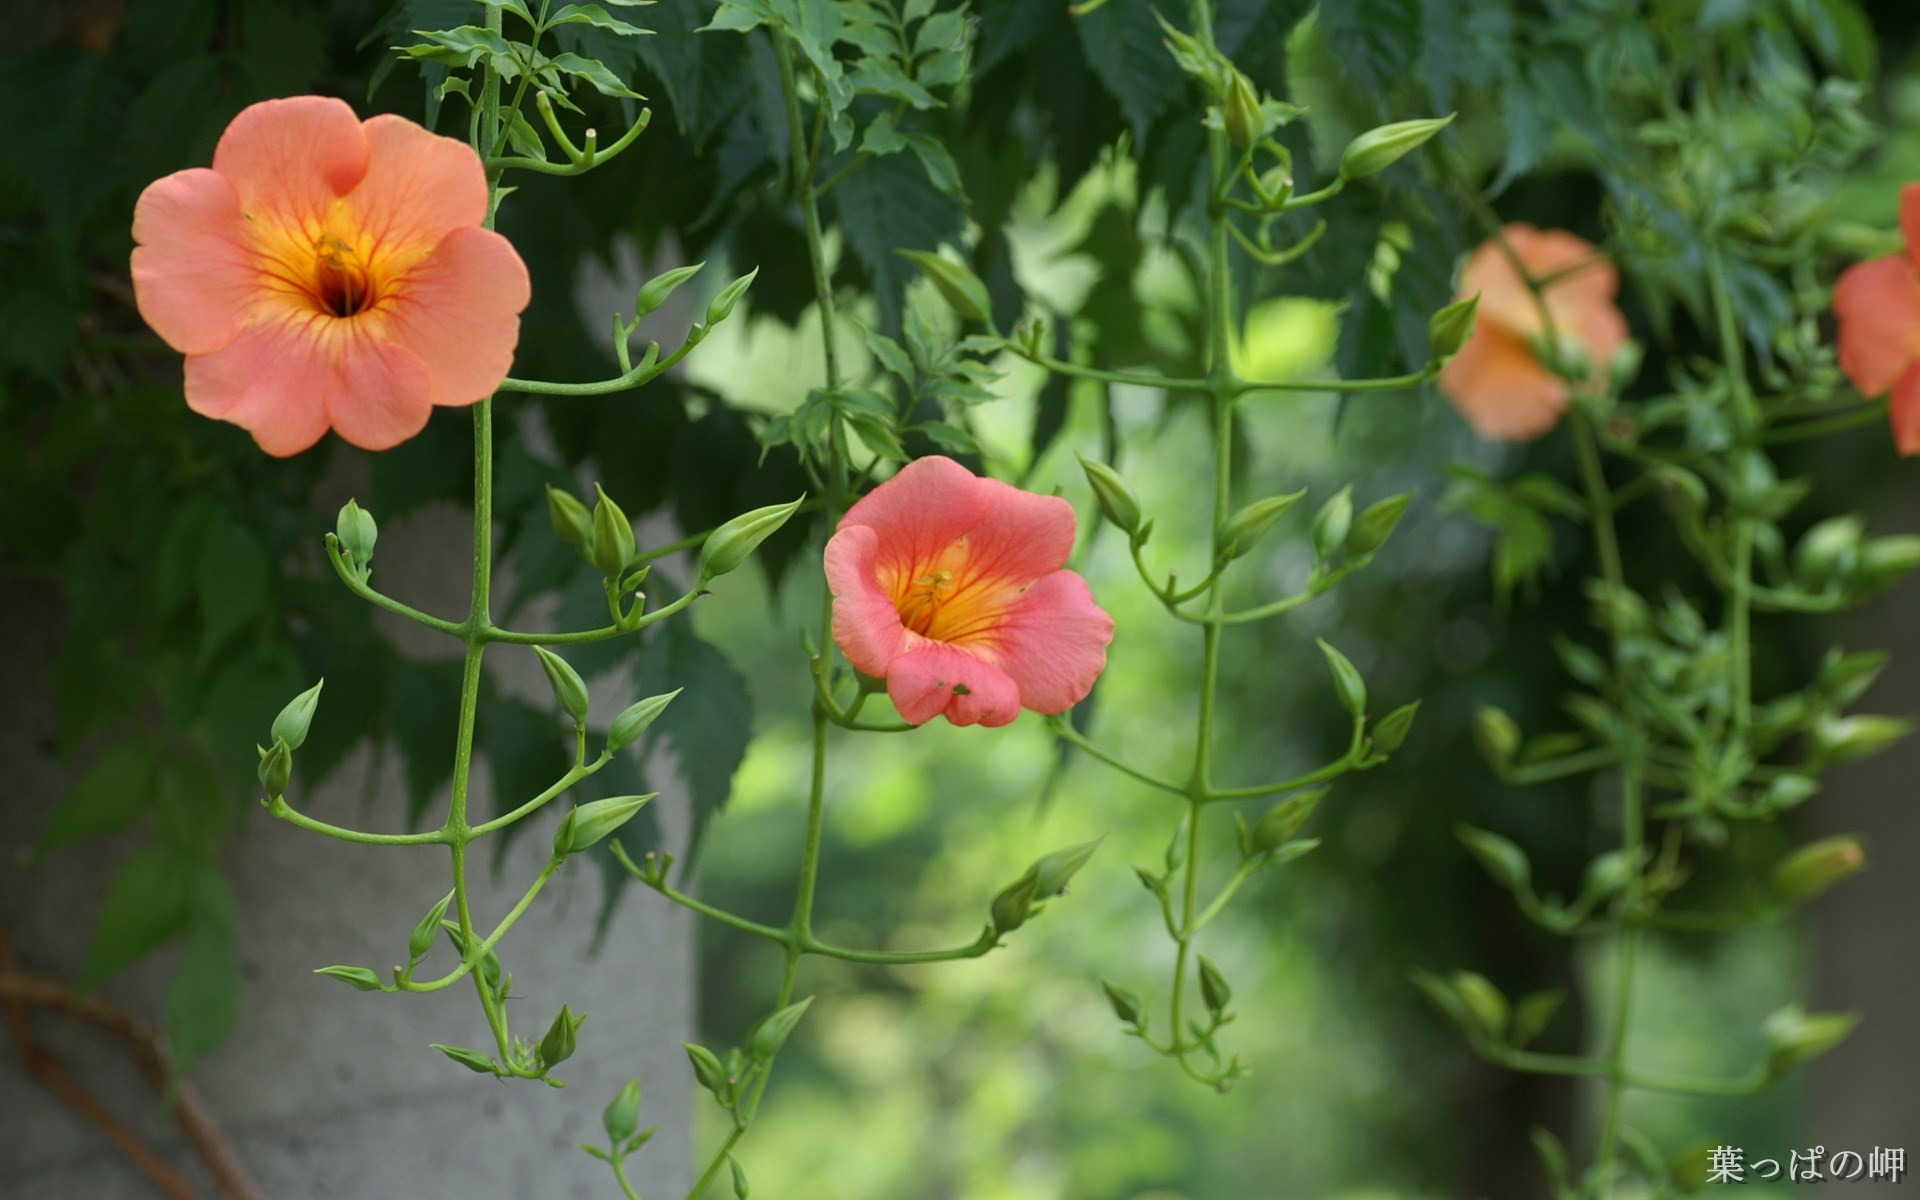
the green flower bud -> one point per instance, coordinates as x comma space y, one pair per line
1843, 739
1126, 1005
357, 532
1347, 683
1377, 149
721, 306
1117, 501
1795, 1036
472, 1060
1213, 988
291, 725
654, 292
1885, 560
591, 823
568, 688
739, 1177
732, 543
1504, 860
1331, 522
1828, 551
1283, 821
1014, 904
1390, 732
558, 1044
1240, 531
1483, 1003
707, 1069
1608, 875
622, 1115
354, 977
1498, 736
1052, 873
1245, 121
958, 286
276, 768
612, 535
571, 520
773, 1030
1449, 329
1533, 1014
1815, 867
629, 725
1376, 524
421, 939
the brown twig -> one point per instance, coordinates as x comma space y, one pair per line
21, 991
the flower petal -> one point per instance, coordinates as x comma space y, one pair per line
286, 381
1054, 645
459, 311
271, 380
1021, 537
866, 625
935, 678
291, 159
381, 393
192, 272
1501, 389
1878, 306
418, 187
927, 506
1505, 298
1903, 407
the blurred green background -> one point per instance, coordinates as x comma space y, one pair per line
195, 605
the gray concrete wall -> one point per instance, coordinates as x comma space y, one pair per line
326, 1092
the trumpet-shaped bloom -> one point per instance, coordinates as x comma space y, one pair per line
1878, 306
1497, 381
329, 272
950, 587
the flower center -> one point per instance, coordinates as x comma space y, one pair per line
920, 603
342, 285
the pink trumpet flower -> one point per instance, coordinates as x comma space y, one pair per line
329, 272
950, 587
1877, 304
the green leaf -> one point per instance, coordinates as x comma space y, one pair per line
594, 15
233, 581
1124, 45
594, 72
203, 1001
146, 904
113, 793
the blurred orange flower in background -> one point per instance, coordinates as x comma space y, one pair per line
1498, 381
1878, 306
329, 273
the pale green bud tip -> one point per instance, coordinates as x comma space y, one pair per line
1347, 683
1814, 868
655, 291
1376, 524
773, 1031
613, 546
357, 532
629, 725
1126, 1005
1503, 860
1242, 530
1246, 121
622, 1115
1377, 149
722, 305
733, 543
1795, 1036
291, 725
1498, 736
572, 523
1331, 523
1449, 329
1117, 501
568, 688
957, 285
591, 823
1213, 987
